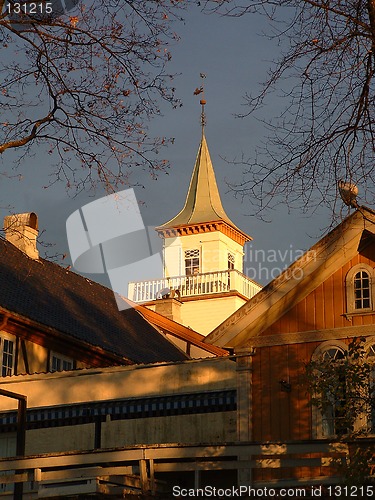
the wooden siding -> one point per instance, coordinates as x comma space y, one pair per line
279, 415
325, 307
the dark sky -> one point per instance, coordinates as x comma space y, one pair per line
235, 58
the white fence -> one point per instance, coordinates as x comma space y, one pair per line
133, 469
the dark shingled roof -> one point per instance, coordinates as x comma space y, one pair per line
78, 307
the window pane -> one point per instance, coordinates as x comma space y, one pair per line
332, 416
67, 365
56, 364
191, 262
333, 353
7, 361
362, 293
230, 261
59, 364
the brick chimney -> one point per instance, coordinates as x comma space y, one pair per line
22, 231
170, 308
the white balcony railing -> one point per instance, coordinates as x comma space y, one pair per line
199, 284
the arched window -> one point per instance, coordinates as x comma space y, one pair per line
362, 299
342, 379
328, 419
359, 289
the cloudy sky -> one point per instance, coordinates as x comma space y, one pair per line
235, 57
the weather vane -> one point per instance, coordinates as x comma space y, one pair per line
200, 90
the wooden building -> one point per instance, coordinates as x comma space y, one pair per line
314, 308
238, 420
242, 419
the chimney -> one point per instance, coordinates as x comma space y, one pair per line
22, 230
169, 307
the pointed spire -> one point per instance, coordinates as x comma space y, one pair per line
203, 202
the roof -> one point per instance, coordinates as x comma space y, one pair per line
296, 282
78, 308
180, 331
203, 202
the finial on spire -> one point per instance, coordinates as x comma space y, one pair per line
200, 90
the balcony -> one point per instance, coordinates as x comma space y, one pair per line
199, 284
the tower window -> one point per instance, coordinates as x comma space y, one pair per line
191, 262
231, 260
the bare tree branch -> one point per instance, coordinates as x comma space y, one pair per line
325, 76
84, 85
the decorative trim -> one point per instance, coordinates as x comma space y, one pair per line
326, 346
205, 227
311, 336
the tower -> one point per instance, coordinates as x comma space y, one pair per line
203, 255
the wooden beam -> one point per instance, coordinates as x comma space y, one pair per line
143, 475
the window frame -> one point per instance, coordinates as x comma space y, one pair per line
63, 359
321, 428
350, 289
195, 268
9, 338
231, 261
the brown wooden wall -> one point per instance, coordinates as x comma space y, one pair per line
280, 415
325, 307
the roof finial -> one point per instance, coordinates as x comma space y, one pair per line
198, 91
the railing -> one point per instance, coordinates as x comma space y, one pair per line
198, 284
115, 471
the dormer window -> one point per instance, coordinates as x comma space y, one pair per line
359, 289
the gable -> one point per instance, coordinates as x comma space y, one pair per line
323, 309
299, 298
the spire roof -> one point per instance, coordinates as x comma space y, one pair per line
203, 203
